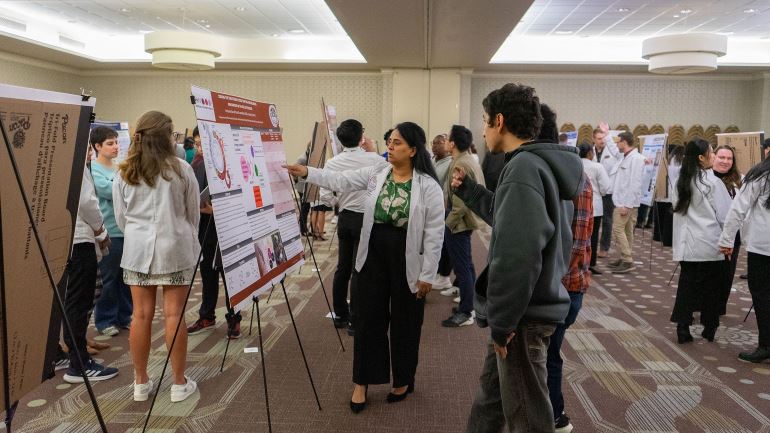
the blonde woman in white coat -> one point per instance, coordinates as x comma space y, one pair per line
601, 186
701, 202
397, 259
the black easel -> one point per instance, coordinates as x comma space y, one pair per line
176, 332
230, 316
317, 270
255, 300
10, 408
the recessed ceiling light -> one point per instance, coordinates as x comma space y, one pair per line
563, 32
125, 10
296, 31
676, 16
274, 35
749, 11
208, 26
623, 9
203, 21
686, 11
240, 8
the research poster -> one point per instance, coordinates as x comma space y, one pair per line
572, 137
316, 158
747, 145
124, 137
330, 118
252, 197
48, 132
653, 150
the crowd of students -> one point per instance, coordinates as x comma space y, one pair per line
405, 225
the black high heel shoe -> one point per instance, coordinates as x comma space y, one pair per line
358, 407
683, 333
708, 333
395, 398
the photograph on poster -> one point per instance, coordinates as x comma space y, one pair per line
270, 252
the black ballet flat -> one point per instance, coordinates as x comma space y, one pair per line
683, 334
358, 407
395, 398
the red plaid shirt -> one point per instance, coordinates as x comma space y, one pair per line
578, 277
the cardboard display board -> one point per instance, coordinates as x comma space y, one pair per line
654, 150
49, 136
252, 195
747, 145
317, 159
330, 120
124, 137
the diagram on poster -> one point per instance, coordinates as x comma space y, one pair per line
252, 197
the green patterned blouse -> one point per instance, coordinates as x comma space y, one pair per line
393, 203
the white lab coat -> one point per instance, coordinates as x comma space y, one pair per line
696, 233
425, 231
611, 157
160, 223
600, 184
749, 215
627, 182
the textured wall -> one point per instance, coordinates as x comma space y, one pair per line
18, 71
649, 99
298, 97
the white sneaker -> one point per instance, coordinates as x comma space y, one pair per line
451, 291
442, 282
456, 300
110, 331
181, 392
142, 390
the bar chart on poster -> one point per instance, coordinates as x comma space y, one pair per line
251, 194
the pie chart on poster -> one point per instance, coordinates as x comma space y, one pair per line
245, 168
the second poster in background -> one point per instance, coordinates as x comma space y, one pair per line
251, 194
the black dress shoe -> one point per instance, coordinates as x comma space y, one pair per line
341, 322
395, 398
594, 270
708, 333
351, 331
358, 407
760, 354
744, 276
683, 333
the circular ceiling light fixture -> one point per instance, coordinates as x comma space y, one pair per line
186, 51
688, 53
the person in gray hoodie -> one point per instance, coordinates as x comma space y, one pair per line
519, 295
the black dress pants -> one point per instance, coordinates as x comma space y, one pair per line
348, 231
81, 284
700, 287
759, 286
595, 239
730, 275
382, 299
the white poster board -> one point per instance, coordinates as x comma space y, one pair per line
653, 150
252, 197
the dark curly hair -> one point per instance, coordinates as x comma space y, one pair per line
520, 107
549, 131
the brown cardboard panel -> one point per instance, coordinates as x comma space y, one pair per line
747, 145
44, 137
317, 158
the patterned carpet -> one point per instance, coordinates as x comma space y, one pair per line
624, 371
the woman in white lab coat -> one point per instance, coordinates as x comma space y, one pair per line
397, 259
600, 184
157, 207
750, 213
701, 202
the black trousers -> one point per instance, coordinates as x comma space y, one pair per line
700, 288
210, 268
382, 299
664, 223
759, 286
444, 263
348, 231
81, 283
730, 275
595, 239
303, 213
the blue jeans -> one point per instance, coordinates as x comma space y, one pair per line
554, 362
458, 246
114, 306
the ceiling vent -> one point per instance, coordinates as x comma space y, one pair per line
187, 51
688, 53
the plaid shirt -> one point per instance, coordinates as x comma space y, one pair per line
578, 277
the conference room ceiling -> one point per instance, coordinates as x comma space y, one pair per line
386, 33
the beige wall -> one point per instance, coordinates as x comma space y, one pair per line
643, 98
20, 71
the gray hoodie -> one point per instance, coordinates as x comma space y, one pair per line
530, 214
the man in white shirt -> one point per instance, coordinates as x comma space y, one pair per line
351, 135
626, 177
607, 154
